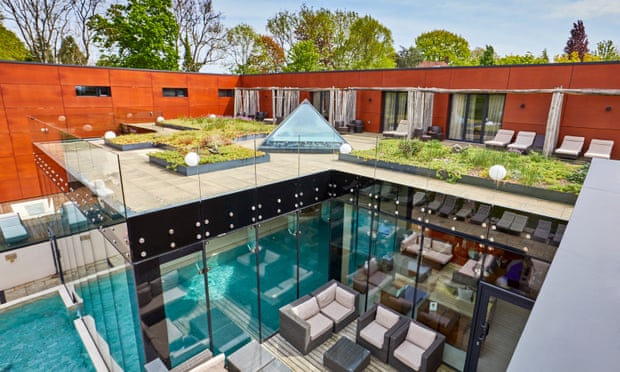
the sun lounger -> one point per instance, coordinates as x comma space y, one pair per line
570, 148
466, 210
502, 138
448, 206
402, 130
559, 233
436, 203
543, 230
523, 142
12, 228
599, 149
481, 215
518, 224
419, 198
506, 220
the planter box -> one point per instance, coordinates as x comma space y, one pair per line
129, 146
248, 137
551, 195
212, 167
175, 126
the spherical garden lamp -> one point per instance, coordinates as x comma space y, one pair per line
345, 148
497, 173
192, 159
109, 135
160, 119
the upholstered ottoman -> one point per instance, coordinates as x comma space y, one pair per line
346, 356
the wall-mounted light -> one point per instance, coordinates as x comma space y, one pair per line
522, 105
370, 99
608, 108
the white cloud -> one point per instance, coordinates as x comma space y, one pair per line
587, 9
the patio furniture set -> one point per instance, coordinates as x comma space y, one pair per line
433, 132
570, 147
381, 332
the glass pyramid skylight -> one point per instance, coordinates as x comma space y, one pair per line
304, 130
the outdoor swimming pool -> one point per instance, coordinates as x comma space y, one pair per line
40, 336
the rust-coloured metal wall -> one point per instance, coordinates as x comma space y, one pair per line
47, 92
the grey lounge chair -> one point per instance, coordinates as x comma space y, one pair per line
436, 203
502, 138
12, 228
570, 148
559, 233
448, 206
518, 224
523, 142
599, 149
402, 130
481, 214
543, 230
303, 325
335, 307
466, 210
419, 198
506, 221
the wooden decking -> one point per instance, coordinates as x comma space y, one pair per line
312, 362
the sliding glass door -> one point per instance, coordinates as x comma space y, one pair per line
394, 109
475, 117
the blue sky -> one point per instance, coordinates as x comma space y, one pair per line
511, 27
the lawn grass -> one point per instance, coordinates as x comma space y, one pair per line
453, 161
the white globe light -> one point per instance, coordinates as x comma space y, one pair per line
192, 159
62, 118
160, 119
345, 148
497, 172
212, 116
109, 135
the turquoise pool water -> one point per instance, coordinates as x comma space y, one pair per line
40, 336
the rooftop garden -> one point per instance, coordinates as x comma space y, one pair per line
451, 162
212, 138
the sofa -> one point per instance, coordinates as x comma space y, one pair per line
338, 302
436, 253
374, 329
303, 324
12, 228
415, 347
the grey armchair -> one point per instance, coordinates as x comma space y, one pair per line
338, 302
303, 325
375, 327
415, 347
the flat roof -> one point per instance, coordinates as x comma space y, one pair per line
573, 325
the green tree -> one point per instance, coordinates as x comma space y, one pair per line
488, 56
574, 57
282, 28
141, 34
13, 49
526, 59
408, 57
303, 57
607, 51
69, 52
578, 41
267, 57
442, 45
370, 45
241, 40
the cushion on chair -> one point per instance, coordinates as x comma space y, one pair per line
319, 324
465, 294
442, 247
377, 278
420, 336
336, 311
410, 354
327, 295
386, 318
345, 298
374, 333
374, 266
306, 309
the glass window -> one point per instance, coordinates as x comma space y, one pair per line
225, 92
320, 100
394, 109
174, 92
475, 117
89, 91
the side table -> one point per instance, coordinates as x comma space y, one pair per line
346, 356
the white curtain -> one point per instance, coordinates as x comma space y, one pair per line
494, 116
457, 116
247, 102
553, 123
284, 101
